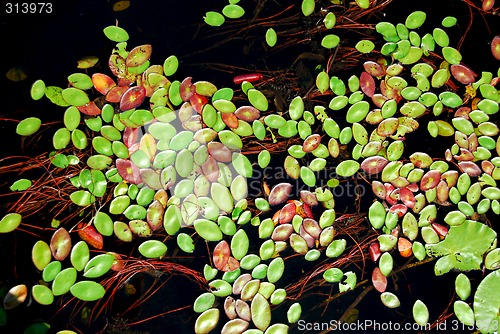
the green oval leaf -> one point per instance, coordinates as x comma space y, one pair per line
10, 222
28, 126
152, 249
88, 291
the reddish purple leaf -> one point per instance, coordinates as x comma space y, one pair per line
495, 43
128, 171
230, 119
373, 68
367, 84
219, 151
187, 89
430, 180
211, 169
374, 165
406, 196
221, 255
310, 240
132, 98
89, 234
60, 244
89, 109
470, 168
308, 197
379, 280
247, 113
311, 143
312, 227
287, 213
282, 232
462, 74
374, 250
280, 193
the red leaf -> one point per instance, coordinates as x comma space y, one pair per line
128, 171
60, 244
130, 136
367, 84
375, 251
441, 230
230, 119
132, 98
198, 101
374, 165
89, 109
404, 247
462, 74
430, 180
495, 43
102, 83
250, 77
287, 213
379, 280
406, 196
187, 89
118, 263
280, 193
311, 143
221, 255
400, 209
90, 235
115, 94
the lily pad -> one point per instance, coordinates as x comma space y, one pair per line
487, 302
459, 251
116, 34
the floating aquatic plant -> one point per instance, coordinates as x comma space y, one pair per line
163, 164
